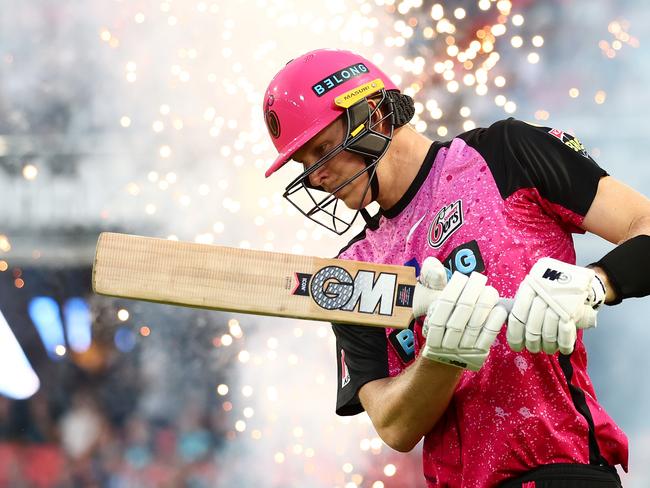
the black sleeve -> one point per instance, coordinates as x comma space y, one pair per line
362, 357
522, 155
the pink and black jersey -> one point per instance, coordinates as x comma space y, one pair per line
495, 201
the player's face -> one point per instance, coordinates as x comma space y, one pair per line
338, 169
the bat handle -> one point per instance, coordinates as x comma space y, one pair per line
507, 303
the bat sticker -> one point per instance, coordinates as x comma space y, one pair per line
405, 295
334, 288
301, 284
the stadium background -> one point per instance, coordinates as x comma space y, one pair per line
144, 117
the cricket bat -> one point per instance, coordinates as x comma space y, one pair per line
255, 282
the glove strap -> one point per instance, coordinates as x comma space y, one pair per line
597, 293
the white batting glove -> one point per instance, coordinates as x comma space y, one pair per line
463, 319
431, 282
554, 300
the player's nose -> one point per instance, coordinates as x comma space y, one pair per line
318, 176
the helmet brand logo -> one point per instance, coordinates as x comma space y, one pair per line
273, 123
347, 99
338, 78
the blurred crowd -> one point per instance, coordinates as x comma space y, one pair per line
84, 445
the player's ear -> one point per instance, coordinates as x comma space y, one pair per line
377, 115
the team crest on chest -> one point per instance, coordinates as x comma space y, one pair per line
447, 221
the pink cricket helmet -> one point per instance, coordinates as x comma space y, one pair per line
299, 101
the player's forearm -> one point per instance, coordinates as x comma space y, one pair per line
406, 407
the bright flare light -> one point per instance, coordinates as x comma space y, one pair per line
78, 324
17, 378
45, 314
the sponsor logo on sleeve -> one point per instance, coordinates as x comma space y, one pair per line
447, 221
570, 141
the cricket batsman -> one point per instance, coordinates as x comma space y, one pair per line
501, 400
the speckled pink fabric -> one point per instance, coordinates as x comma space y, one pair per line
517, 412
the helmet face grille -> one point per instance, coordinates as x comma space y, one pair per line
363, 137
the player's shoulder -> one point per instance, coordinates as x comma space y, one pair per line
507, 136
500, 129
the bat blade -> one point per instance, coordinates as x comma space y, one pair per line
255, 282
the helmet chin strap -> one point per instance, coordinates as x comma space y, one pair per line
374, 184
374, 192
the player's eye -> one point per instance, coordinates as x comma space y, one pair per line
322, 150
317, 153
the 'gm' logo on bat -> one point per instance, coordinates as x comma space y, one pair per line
333, 288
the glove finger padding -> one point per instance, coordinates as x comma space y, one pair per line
491, 328
463, 310
487, 300
463, 322
566, 336
432, 280
534, 325
439, 311
518, 317
549, 331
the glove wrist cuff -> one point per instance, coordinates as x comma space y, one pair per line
597, 293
